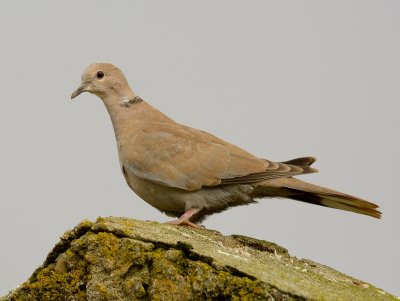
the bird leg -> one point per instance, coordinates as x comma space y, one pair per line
184, 220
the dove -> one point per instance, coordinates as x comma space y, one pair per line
190, 174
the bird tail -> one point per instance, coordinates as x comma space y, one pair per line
306, 192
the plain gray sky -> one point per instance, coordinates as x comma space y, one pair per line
282, 79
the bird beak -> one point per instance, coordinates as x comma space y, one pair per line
82, 88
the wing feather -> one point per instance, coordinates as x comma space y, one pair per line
178, 156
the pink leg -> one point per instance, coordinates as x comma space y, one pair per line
184, 220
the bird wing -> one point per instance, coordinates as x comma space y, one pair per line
178, 156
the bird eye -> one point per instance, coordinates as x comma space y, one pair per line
100, 74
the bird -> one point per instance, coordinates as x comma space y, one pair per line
191, 174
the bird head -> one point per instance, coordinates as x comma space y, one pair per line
104, 80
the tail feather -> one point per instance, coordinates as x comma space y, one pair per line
342, 202
304, 162
305, 192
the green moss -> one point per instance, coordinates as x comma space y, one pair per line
49, 285
122, 259
112, 267
174, 277
260, 245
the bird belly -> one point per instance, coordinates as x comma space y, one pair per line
170, 199
161, 197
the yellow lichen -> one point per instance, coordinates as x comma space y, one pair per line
113, 260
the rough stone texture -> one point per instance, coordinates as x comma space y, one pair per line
125, 259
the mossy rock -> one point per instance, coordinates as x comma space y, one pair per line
125, 259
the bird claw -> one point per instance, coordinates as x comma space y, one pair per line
187, 223
184, 219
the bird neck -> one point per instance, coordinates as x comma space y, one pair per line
128, 114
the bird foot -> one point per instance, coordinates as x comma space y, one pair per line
187, 223
184, 220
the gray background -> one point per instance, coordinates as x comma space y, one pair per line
282, 79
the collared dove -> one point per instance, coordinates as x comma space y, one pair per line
191, 174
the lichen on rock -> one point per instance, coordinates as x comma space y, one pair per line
123, 259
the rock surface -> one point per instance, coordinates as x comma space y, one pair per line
125, 259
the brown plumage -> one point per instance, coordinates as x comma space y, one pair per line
190, 173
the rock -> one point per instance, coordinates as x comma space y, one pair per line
125, 259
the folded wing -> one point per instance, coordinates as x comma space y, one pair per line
178, 156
